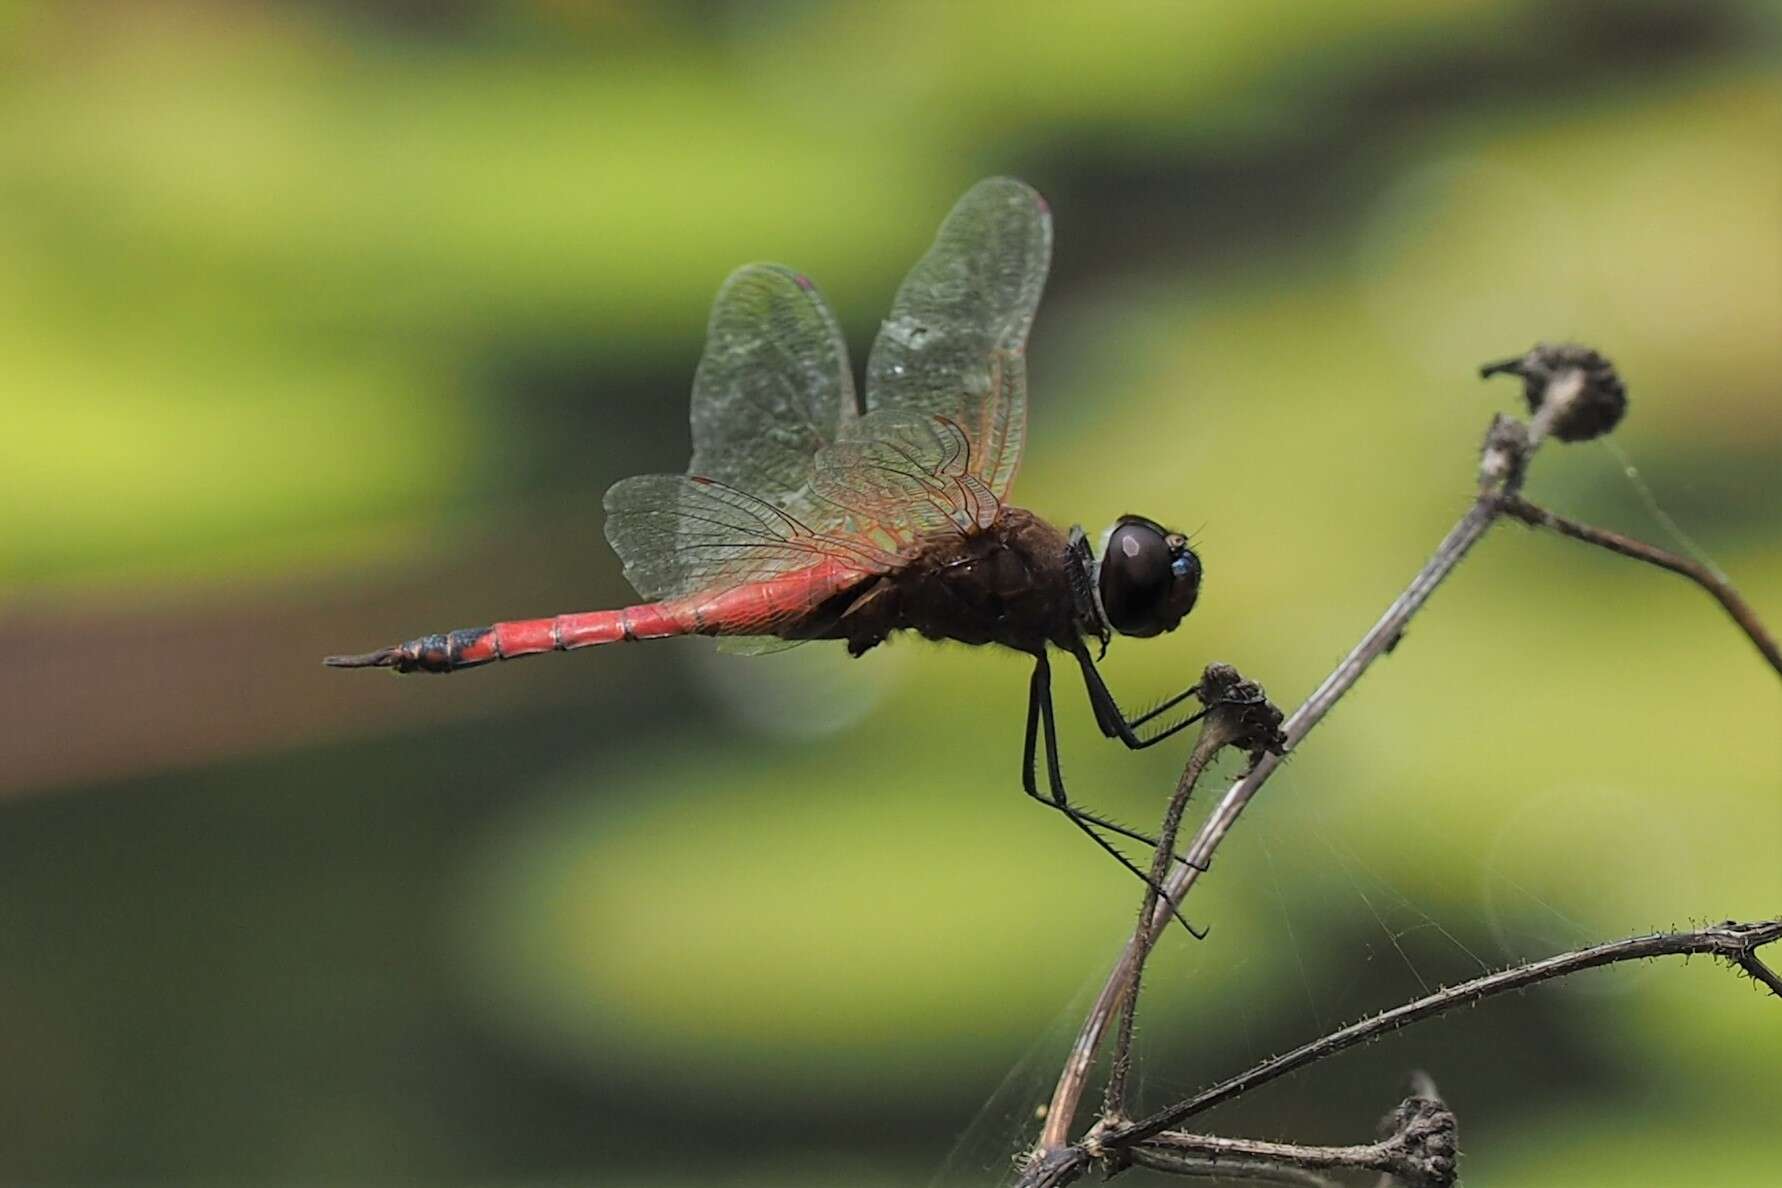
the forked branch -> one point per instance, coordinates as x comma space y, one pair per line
1238, 715
1735, 943
1573, 394
1508, 446
1420, 1149
1732, 942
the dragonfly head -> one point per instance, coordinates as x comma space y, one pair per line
1149, 577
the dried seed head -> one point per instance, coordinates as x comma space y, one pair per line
1239, 713
1594, 396
1426, 1137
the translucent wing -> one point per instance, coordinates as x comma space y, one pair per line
680, 535
772, 389
787, 476
773, 386
956, 340
898, 477
686, 535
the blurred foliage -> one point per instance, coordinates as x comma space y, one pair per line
326, 322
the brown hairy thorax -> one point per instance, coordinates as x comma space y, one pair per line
1007, 584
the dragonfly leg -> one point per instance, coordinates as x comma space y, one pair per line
1040, 712
1115, 724
1030, 784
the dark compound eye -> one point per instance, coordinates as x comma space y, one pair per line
1149, 577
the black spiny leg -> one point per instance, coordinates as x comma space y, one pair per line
1114, 723
1034, 699
1039, 711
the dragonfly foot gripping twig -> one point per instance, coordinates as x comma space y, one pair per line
1573, 394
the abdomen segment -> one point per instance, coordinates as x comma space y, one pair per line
772, 607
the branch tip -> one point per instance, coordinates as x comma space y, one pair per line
1591, 397
1239, 713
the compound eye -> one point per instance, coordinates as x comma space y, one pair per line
1137, 571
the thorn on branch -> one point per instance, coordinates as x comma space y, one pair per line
1749, 938
1752, 964
1592, 397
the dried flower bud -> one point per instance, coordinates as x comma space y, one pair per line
1239, 713
1595, 398
1425, 1135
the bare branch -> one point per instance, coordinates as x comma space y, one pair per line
1508, 445
1212, 1168
1733, 942
1539, 517
1238, 714
1421, 1149
1574, 395
1752, 964
1205, 748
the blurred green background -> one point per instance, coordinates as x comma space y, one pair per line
325, 325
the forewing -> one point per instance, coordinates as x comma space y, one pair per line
773, 386
956, 340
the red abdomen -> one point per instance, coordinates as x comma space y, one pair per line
773, 606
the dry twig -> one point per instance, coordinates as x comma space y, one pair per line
1574, 394
1733, 942
1539, 517
1507, 447
1420, 1150
1238, 715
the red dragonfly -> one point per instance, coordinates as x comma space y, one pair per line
808, 513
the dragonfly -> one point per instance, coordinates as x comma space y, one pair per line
811, 511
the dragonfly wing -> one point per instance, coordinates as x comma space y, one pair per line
681, 535
789, 482
773, 386
757, 645
899, 477
955, 343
